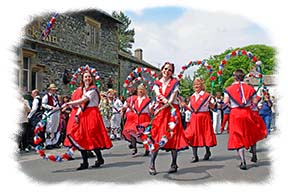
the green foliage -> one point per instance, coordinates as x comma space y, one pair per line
186, 86
266, 54
125, 35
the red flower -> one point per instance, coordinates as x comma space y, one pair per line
233, 53
254, 59
180, 76
224, 62
244, 52
138, 70
183, 67
212, 78
220, 72
65, 156
52, 158
199, 62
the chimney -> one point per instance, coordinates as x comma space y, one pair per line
138, 53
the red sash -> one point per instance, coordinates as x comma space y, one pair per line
234, 92
196, 105
138, 109
77, 94
170, 87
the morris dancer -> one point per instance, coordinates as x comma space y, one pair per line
199, 131
115, 120
242, 131
88, 131
50, 102
137, 117
166, 90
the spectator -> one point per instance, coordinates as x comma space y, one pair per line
265, 110
23, 137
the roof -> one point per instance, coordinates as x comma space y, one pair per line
268, 80
135, 59
98, 13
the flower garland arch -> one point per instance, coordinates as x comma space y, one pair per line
43, 122
257, 69
135, 76
202, 63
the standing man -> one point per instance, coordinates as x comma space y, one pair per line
115, 121
50, 102
35, 114
217, 114
36, 111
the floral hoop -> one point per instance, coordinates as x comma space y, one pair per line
80, 71
134, 77
241, 53
40, 149
203, 63
149, 144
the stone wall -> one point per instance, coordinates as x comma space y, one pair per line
68, 47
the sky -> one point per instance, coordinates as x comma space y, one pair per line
185, 30
179, 34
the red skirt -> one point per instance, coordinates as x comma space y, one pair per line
243, 129
160, 127
261, 131
132, 122
90, 132
69, 126
200, 130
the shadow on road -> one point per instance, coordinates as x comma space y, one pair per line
195, 173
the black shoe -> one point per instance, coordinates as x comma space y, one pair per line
173, 169
152, 171
243, 166
83, 166
207, 156
195, 159
130, 146
254, 158
98, 163
146, 153
134, 151
57, 146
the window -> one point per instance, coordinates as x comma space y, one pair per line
93, 31
25, 74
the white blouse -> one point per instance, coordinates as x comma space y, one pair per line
93, 98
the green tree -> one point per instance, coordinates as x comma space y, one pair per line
125, 35
186, 86
264, 53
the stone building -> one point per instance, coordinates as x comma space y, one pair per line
269, 82
76, 39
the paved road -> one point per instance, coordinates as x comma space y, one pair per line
121, 167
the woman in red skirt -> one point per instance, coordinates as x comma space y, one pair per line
77, 94
243, 128
261, 131
88, 131
166, 90
200, 132
138, 117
